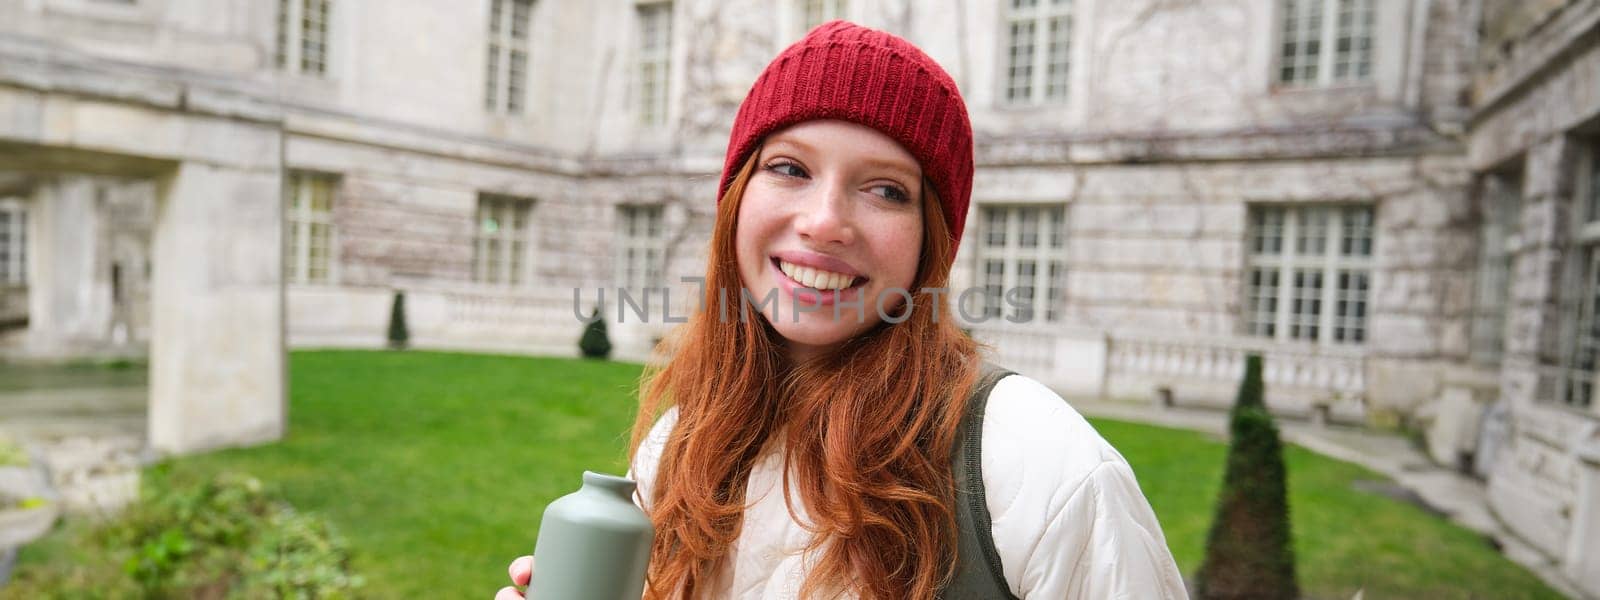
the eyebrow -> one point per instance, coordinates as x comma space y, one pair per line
913, 172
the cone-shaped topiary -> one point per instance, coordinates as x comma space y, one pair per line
594, 343
399, 336
1251, 389
1249, 552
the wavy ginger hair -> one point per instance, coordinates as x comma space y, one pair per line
868, 432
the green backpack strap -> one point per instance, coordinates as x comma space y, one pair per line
978, 575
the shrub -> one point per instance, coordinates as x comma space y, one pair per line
399, 336
1248, 551
1252, 392
222, 538
594, 343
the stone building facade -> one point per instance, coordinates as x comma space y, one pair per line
1374, 195
1534, 146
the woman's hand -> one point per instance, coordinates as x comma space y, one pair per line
521, 571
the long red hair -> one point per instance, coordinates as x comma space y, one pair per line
867, 432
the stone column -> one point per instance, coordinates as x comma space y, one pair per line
216, 350
1533, 309
68, 303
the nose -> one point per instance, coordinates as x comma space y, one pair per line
824, 215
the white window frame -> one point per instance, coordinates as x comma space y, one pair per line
506, 72
301, 220
14, 241
1337, 316
1011, 236
303, 24
1578, 385
641, 247
653, 67
1499, 238
1352, 20
502, 243
1043, 75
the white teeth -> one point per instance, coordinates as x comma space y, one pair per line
815, 278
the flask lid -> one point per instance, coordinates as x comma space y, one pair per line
620, 486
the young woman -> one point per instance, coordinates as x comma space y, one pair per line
802, 442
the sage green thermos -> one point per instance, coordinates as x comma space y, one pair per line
594, 544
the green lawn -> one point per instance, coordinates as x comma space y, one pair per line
1344, 539
436, 467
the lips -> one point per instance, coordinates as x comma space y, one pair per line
812, 284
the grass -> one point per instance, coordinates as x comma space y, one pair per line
1344, 539
437, 467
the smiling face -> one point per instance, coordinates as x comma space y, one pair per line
831, 217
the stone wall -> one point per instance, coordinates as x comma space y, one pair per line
1538, 99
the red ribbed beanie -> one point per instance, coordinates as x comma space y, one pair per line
844, 71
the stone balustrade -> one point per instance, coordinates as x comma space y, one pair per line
1325, 382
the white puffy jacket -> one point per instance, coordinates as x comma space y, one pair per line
1068, 518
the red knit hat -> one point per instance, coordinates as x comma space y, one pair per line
844, 71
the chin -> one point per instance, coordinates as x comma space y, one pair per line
818, 330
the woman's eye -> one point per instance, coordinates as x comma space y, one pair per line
787, 169
891, 192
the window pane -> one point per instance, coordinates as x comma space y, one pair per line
1057, 294
1059, 57
1028, 227
281, 56
492, 79
1012, 260
994, 227
291, 254
314, 36
993, 286
519, 18
1306, 307
641, 255
12, 247
1312, 237
1353, 35
1027, 276
1058, 227
1351, 307
1267, 231
516, 81
655, 34
1262, 295
1581, 365
653, 267
1019, 70
308, 239
1302, 31
1356, 236
1594, 184
518, 249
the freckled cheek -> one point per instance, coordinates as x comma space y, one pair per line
895, 253
752, 241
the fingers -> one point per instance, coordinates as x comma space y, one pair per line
507, 593
521, 570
